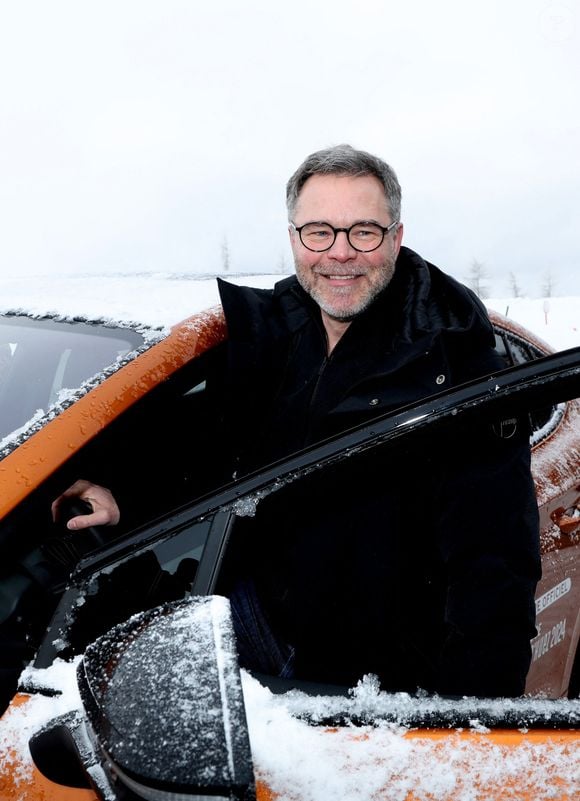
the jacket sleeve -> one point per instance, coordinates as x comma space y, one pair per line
489, 543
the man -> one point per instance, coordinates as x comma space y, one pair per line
358, 574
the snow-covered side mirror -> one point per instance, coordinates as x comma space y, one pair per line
164, 705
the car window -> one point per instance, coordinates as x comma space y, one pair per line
42, 359
146, 577
515, 350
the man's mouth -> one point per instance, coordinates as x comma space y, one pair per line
340, 276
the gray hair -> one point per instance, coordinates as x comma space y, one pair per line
345, 160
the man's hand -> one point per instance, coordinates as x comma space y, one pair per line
105, 510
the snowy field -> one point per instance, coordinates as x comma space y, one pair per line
161, 299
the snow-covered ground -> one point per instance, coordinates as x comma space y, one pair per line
157, 299
161, 299
301, 762
555, 320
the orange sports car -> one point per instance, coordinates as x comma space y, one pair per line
118, 667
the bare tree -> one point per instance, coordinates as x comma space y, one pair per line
548, 284
477, 279
283, 264
225, 255
514, 286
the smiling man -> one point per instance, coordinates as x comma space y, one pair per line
420, 567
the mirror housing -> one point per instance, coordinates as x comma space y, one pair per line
164, 704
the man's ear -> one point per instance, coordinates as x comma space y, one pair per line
293, 236
398, 238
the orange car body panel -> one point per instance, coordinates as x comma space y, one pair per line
476, 753
20, 781
477, 757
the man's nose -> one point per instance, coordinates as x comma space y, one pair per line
341, 249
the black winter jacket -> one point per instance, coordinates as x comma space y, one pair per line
419, 565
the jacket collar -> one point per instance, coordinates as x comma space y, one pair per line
420, 301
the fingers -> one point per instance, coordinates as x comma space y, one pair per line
76, 490
99, 518
105, 510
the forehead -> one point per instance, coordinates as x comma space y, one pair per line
342, 199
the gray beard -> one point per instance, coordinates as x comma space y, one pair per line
342, 315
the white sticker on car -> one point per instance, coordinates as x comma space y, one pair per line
553, 595
544, 642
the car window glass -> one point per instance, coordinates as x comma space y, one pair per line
41, 359
147, 577
287, 531
514, 350
501, 348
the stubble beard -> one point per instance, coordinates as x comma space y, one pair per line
335, 311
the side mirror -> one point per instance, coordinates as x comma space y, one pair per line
164, 706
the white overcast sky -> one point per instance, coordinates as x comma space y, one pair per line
139, 135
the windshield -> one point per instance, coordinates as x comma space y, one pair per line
43, 360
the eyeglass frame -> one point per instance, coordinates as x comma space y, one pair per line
385, 230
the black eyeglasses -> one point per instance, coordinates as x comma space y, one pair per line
362, 236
